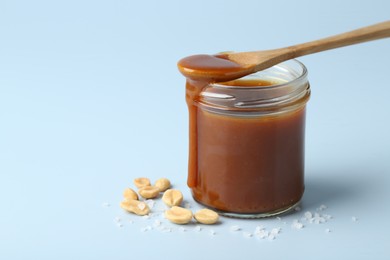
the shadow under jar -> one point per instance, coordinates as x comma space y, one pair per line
246, 152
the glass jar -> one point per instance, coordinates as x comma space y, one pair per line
247, 142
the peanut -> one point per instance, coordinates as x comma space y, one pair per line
130, 194
206, 216
141, 182
135, 206
178, 215
149, 192
172, 197
163, 184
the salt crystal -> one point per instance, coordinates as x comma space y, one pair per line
117, 219
247, 234
275, 231
141, 205
182, 229
354, 219
147, 228
317, 219
146, 217
279, 218
326, 216
119, 225
271, 237
150, 203
153, 214
327, 230
297, 225
197, 228
235, 228
322, 207
308, 215
131, 221
258, 229
212, 232
297, 208
262, 234
187, 205
157, 223
106, 204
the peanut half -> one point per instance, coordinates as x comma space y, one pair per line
141, 182
163, 184
206, 216
149, 192
172, 197
178, 215
130, 194
135, 206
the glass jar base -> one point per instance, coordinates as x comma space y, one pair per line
256, 215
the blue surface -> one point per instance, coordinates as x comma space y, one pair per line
90, 98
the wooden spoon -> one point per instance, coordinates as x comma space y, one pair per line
229, 66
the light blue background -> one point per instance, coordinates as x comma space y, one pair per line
90, 98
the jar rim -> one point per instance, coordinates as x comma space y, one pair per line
289, 88
300, 77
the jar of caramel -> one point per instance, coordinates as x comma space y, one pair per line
246, 154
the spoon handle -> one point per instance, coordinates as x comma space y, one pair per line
369, 33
